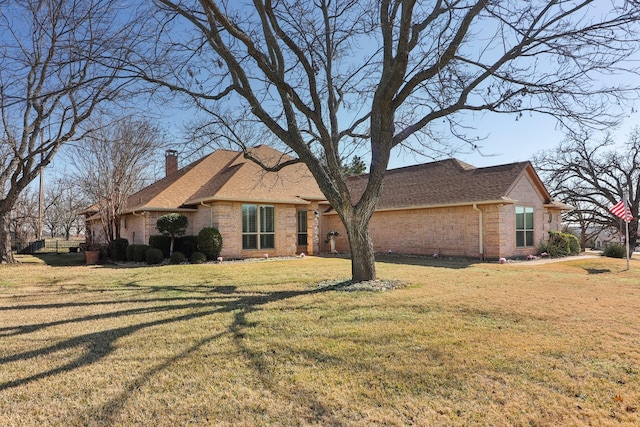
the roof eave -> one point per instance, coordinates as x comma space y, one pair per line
292, 201
559, 205
500, 201
156, 209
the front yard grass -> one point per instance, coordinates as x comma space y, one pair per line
259, 343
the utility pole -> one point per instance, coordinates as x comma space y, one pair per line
41, 198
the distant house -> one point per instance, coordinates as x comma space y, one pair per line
446, 207
598, 236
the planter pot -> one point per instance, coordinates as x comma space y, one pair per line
91, 257
332, 242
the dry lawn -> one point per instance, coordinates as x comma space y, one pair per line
258, 343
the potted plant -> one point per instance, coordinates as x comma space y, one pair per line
91, 252
331, 238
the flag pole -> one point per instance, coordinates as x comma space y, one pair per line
626, 225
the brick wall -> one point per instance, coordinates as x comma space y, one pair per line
132, 228
449, 231
453, 231
227, 218
313, 229
526, 195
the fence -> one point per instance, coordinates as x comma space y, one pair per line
46, 246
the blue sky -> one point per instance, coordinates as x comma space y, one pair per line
508, 140
502, 138
505, 139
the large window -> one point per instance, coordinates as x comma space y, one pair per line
258, 227
302, 228
524, 226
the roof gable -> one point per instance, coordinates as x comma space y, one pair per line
228, 175
245, 180
446, 182
174, 190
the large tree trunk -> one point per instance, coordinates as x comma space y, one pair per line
6, 255
363, 265
633, 235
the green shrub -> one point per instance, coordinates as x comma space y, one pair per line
187, 245
140, 253
160, 242
574, 244
130, 251
119, 249
210, 242
153, 256
615, 250
174, 225
561, 244
197, 258
177, 258
542, 248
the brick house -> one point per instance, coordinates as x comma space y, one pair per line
452, 208
256, 212
446, 207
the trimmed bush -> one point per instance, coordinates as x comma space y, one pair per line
210, 242
187, 245
119, 249
160, 242
140, 253
574, 244
615, 250
177, 258
153, 256
130, 251
174, 225
562, 244
197, 258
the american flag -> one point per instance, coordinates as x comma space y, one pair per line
621, 210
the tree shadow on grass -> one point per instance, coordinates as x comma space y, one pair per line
240, 308
96, 346
598, 270
419, 260
427, 261
53, 259
318, 411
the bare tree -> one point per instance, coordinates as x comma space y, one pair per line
112, 162
63, 200
59, 61
586, 217
24, 219
324, 75
594, 175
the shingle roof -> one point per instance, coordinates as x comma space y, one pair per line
444, 182
227, 175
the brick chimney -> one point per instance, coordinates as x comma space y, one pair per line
170, 162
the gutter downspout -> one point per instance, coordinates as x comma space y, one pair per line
210, 213
144, 226
480, 228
